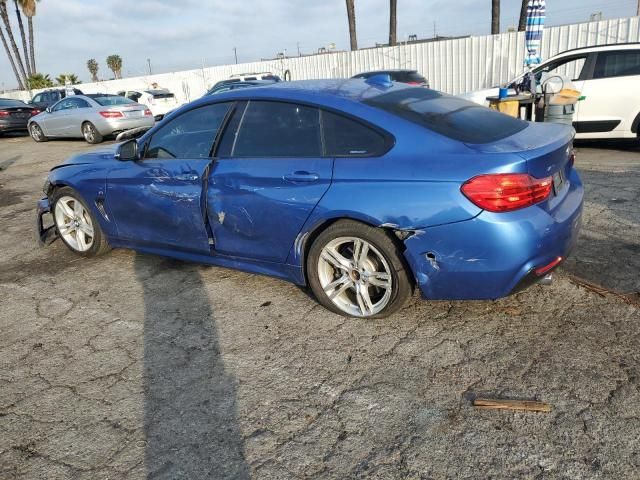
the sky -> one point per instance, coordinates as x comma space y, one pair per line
184, 34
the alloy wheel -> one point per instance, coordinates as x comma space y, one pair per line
355, 276
36, 133
74, 223
89, 135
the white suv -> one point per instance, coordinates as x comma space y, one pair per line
160, 101
608, 78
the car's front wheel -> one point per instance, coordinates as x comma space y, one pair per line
357, 270
36, 133
76, 225
91, 133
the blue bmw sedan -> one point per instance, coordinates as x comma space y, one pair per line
362, 190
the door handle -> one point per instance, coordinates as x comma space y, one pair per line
186, 177
301, 176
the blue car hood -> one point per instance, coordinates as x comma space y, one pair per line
103, 153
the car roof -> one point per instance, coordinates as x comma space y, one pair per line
599, 48
312, 91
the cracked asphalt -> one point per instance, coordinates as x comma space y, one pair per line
131, 366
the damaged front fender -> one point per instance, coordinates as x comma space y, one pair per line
46, 235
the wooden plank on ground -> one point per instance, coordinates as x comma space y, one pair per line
521, 405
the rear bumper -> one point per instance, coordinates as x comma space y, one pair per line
46, 235
494, 254
13, 125
109, 126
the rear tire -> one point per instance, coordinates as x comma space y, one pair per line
76, 224
36, 133
91, 133
358, 271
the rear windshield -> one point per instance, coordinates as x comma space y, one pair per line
11, 103
160, 93
450, 116
106, 100
407, 77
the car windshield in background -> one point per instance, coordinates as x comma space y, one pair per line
160, 93
106, 100
11, 103
449, 116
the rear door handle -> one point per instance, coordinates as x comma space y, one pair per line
301, 176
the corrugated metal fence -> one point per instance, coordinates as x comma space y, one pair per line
453, 66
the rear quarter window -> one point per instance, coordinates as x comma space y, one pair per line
450, 116
346, 137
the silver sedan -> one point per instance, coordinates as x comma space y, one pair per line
92, 116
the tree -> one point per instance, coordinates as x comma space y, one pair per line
13, 64
92, 66
24, 39
495, 17
16, 53
522, 23
29, 9
38, 80
351, 15
393, 22
114, 62
64, 77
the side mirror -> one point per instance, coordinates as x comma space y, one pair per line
128, 151
48, 110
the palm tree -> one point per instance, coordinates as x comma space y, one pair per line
495, 17
393, 22
7, 25
64, 77
38, 80
351, 15
92, 66
522, 23
29, 9
114, 62
13, 64
24, 39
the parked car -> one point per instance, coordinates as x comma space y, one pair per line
247, 77
47, 98
160, 101
14, 115
235, 85
361, 193
92, 116
410, 77
607, 77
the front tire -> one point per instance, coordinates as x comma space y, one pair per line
76, 225
91, 133
356, 270
36, 133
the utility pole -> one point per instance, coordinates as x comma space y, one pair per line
149, 65
235, 54
298, 44
638, 9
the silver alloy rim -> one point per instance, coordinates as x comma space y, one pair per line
88, 133
35, 132
74, 224
355, 276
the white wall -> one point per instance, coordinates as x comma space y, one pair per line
453, 66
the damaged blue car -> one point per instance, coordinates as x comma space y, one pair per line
362, 190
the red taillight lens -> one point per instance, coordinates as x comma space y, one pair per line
111, 114
4, 114
544, 269
505, 192
147, 112
35, 112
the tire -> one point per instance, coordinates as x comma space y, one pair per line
36, 133
342, 285
76, 224
91, 133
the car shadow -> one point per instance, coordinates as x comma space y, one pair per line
626, 145
190, 421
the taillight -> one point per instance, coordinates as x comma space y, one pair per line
505, 192
35, 112
147, 112
111, 114
4, 114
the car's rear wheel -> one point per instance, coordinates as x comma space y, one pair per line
36, 133
76, 225
357, 270
91, 133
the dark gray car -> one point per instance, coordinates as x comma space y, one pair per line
14, 115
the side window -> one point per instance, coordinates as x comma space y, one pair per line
617, 64
62, 105
190, 135
77, 103
37, 98
346, 137
571, 68
135, 96
277, 129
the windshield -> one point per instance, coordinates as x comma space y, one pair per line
107, 100
450, 116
